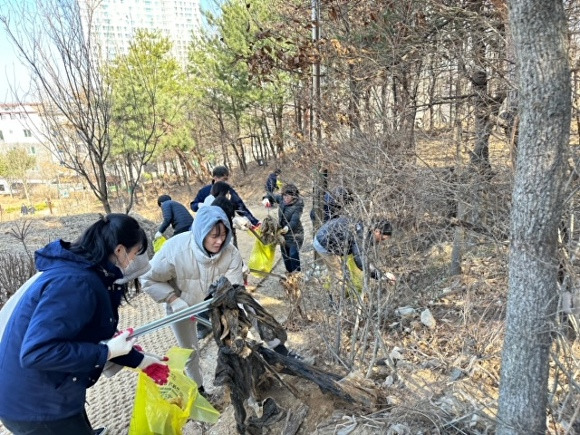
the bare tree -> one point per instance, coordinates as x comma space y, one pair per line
539, 31
55, 42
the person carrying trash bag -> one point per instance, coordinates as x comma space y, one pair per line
63, 330
182, 272
342, 237
289, 214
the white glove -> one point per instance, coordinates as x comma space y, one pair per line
121, 344
241, 223
266, 202
284, 230
178, 304
388, 276
150, 359
157, 235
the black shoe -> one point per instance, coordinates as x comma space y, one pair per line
100, 431
202, 332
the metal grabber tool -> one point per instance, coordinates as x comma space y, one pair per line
175, 317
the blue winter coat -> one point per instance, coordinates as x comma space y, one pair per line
177, 215
272, 182
50, 352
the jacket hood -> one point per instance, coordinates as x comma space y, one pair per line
56, 254
205, 219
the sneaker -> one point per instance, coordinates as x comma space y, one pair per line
100, 431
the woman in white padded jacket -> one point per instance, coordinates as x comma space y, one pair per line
188, 264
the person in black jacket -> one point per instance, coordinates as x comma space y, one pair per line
174, 214
221, 173
289, 213
340, 237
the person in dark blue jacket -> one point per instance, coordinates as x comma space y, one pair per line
221, 173
53, 345
272, 181
174, 214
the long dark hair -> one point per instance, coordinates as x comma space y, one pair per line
220, 188
229, 209
99, 240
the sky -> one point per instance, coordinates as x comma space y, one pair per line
13, 75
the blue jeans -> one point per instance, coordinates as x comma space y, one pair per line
291, 255
75, 425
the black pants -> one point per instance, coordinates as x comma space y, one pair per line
75, 425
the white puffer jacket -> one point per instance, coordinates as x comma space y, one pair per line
183, 267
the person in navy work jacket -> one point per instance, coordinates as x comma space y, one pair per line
221, 173
52, 348
174, 214
272, 181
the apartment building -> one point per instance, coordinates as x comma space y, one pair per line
20, 127
114, 22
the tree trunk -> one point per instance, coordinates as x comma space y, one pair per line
539, 31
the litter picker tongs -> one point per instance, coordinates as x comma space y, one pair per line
175, 317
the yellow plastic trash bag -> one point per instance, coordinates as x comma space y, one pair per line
262, 258
158, 243
164, 409
356, 275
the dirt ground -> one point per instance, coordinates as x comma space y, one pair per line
441, 378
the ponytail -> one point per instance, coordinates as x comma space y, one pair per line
99, 241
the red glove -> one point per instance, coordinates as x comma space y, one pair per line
155, 369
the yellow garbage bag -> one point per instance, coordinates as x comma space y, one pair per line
164, 409
355, 274
158, 243
261, 258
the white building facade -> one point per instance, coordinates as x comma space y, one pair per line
20, 127
114, 22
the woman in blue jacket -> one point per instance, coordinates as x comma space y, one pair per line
52, 347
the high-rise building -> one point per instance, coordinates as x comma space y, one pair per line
114, 22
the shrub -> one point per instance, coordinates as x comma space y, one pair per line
15, 270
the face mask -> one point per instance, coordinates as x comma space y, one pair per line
125, 269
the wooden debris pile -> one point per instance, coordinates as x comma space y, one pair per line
243, 362
293, 284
